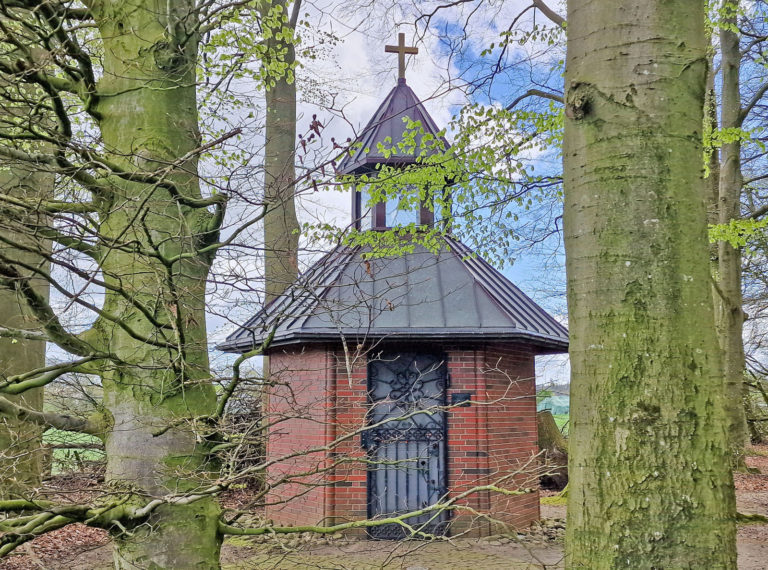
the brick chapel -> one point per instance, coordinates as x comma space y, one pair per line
401, 384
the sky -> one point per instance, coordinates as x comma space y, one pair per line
352, 74
344, 78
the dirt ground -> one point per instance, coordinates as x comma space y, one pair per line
80, 548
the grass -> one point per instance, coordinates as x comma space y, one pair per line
71, 459
562, 422
554, 500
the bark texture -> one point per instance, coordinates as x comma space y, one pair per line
21, 451
650, 485
554, 448
728, 303
281, 226
148, 122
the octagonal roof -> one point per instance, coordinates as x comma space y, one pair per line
420, 296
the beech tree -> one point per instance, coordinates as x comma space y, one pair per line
130, 216
650, 484
281, 226
21, 453
730, 314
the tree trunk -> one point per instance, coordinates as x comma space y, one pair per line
729, 314
21, 446
148, 122
550, 437
281, 226
554, 448
650, 485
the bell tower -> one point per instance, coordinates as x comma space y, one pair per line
379, 144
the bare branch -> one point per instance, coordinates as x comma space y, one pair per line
47, 419
535, 93
759, 212
230, 389
758, 95
41, 376
41, 310
549, 13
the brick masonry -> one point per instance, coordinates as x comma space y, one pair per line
317, 407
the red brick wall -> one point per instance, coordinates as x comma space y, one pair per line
512, 435
349, 498
467, 439
320, 398
298, 407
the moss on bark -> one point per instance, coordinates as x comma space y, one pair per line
650, 485
149, 120
21, 445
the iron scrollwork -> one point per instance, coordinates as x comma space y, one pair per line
406, 440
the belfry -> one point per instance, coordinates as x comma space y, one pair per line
405, 383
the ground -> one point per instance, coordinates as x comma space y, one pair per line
80, 548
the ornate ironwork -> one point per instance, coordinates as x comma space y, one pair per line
406, 441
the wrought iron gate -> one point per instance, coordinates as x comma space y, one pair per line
406, 441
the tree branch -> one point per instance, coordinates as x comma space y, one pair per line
41, 310
759, 94
22, 334
41, 376
759, 212
454, 503
57, 165
535, 93
50, 206
549, 13
102, 313
230, 389
47, 419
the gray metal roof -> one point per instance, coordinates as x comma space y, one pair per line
387, 127
417, 296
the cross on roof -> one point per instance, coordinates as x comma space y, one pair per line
400, 49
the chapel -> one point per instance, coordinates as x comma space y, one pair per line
403, 382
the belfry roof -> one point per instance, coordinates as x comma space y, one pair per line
420, 296
386, 128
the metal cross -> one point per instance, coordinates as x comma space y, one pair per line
400, 49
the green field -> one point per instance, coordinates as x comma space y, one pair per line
74, 458
562, 421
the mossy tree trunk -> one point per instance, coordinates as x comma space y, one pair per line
21, 445
281, 226
728, 301
650, 485
148, 122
